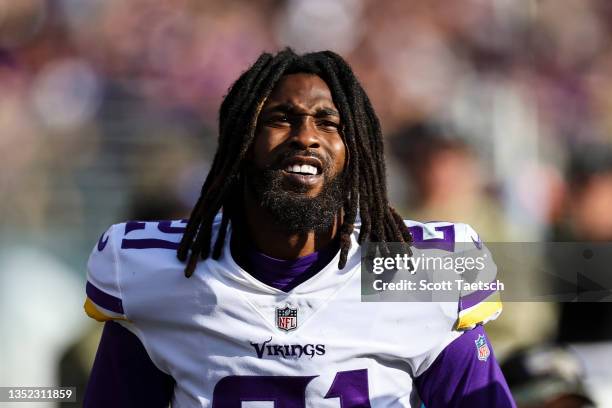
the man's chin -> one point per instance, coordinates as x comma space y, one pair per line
300, 192
301, 207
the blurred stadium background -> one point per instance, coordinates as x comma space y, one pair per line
497, 113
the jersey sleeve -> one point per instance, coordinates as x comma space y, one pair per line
479, 299
123, 374
465, 374
104, 297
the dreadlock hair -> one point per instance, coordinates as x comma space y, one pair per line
366, 190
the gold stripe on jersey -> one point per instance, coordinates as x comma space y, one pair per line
484, 311
94, 312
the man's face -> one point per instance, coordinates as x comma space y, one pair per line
298, 156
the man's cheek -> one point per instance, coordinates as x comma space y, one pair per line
260, 150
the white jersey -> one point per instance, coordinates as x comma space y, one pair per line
230, 340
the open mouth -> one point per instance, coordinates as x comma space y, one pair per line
303, 169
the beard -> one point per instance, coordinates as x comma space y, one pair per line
290, 207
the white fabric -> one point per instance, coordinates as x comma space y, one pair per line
202, 329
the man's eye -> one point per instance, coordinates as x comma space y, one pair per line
328, 125
278, 120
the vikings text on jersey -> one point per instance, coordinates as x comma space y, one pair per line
226, 339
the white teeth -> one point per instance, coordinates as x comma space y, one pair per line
303, 169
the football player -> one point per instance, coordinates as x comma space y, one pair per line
255, 301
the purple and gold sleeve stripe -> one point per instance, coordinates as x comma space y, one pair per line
478, 308
101, 306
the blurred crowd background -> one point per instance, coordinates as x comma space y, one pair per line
497, 113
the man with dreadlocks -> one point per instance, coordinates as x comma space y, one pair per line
262, 306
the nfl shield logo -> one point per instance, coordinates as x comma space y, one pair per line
286, 318
482, 348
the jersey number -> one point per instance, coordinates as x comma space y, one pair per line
446, 242
351, 387
148, 243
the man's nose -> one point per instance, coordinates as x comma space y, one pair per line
305, 134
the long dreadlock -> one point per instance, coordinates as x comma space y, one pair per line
366, 190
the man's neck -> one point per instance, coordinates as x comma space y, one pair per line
275, 241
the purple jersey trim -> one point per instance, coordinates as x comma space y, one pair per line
284, 274
473, 299
123, 375
103, 299
459, 378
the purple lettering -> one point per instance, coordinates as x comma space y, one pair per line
150, 243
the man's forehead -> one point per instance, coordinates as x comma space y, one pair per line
300, 88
